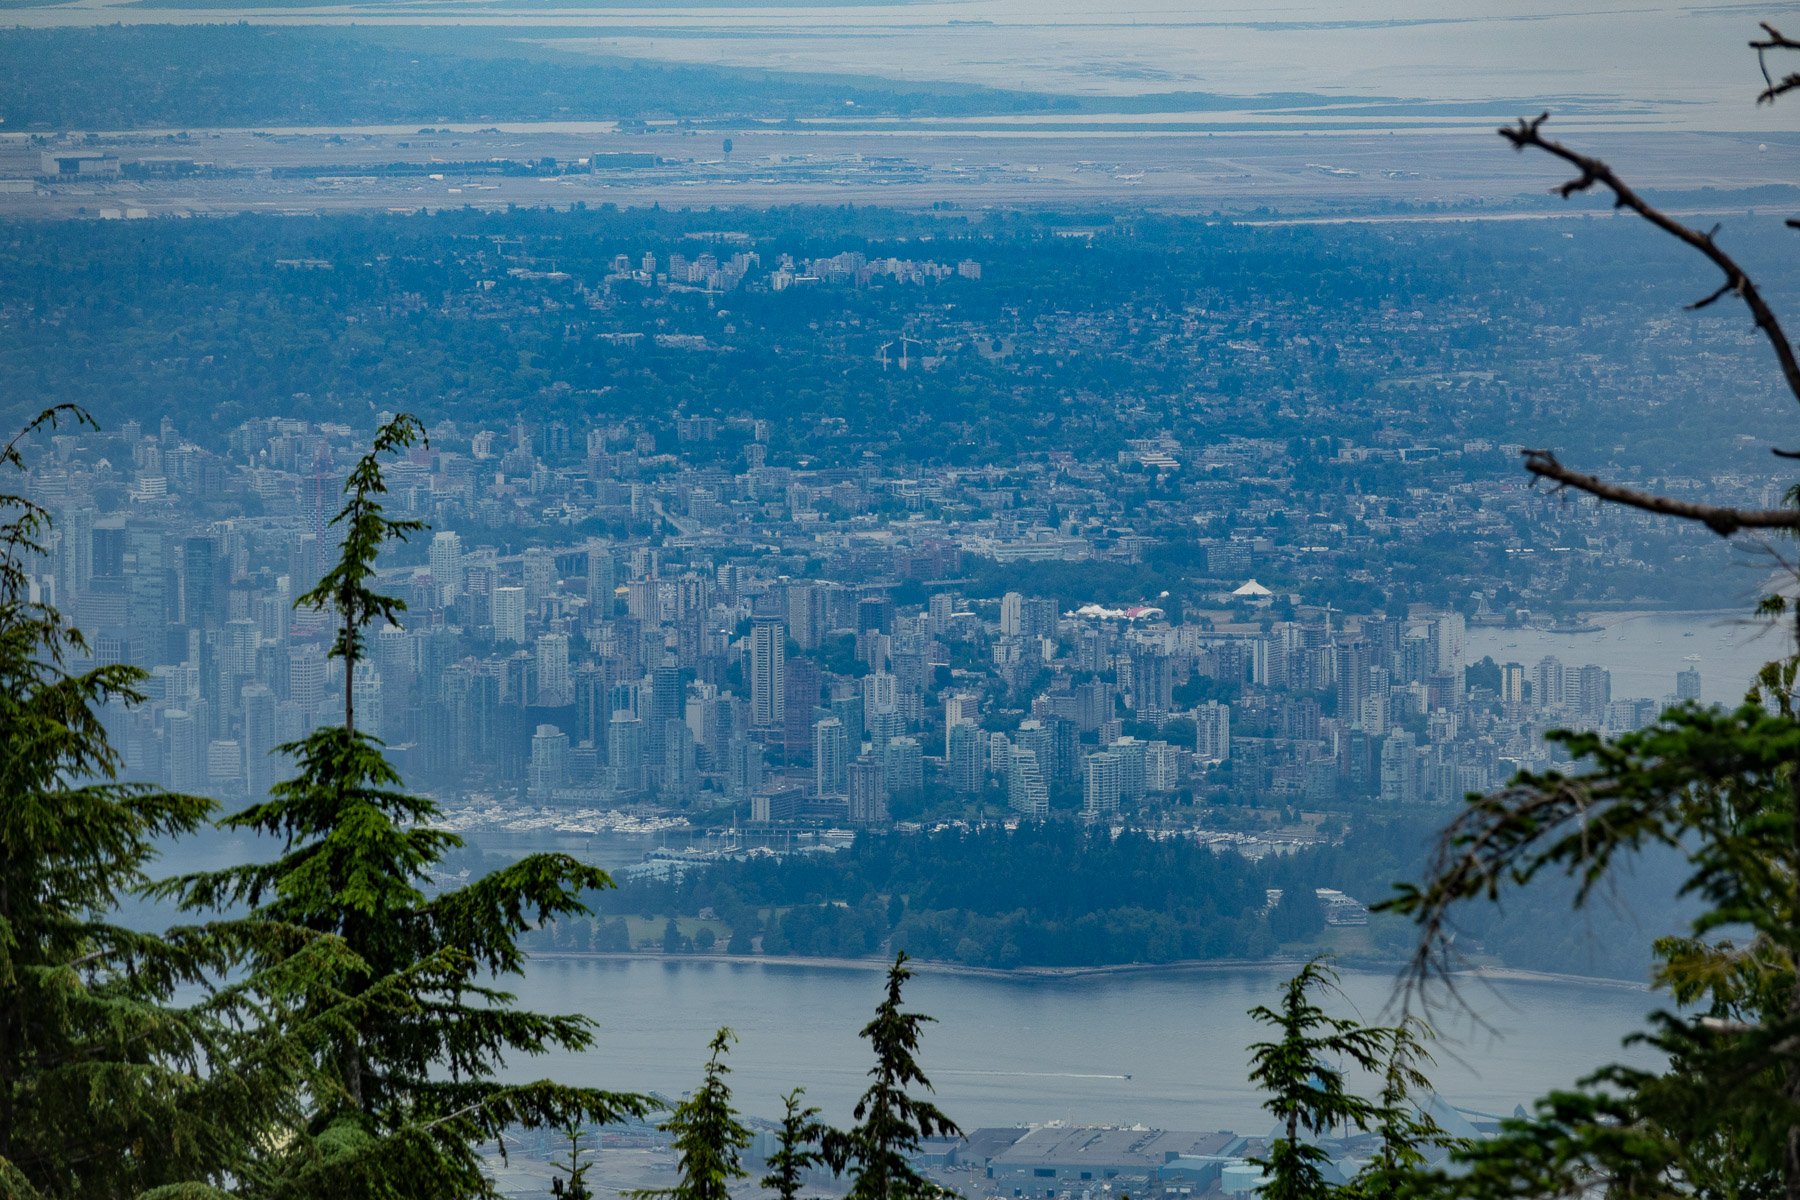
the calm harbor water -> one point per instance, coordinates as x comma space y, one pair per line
1626, 64
1164, 1048
1644, 653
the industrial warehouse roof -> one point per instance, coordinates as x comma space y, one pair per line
1087, 1146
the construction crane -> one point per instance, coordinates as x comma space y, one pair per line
904, 340
883, 352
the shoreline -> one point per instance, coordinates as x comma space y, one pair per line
1099, 970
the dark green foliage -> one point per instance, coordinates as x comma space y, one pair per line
1407, 1134
108, 1085
1716, 787
709, 1138
1298, 916
408, 1089
798, 1151
1052, 895
345, 589
1302, 1074
84, 1005
1057, 896
892, 1121
572, 1185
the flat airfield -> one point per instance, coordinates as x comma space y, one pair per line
1419, 173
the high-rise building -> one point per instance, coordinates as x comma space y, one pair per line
509, 615
801, 685
549, 763
555, 685
940, 608
224, 764
1593, 692
366, 694
1547, 682
1152, 684
1399, 769
182, 758
625, 752
806, 614
849, 710
202, 584
1449, 634
593, 685
1687, 684
903, 766
868, 792
1212, 732
306, 677
602, 577
1100, 786
540, 575
668, 703
1037, 617
874, 614
1162, 767
881, 693
967, 757
1026, 792
446, 565
768, 672
1012, 615
958, 707
1353, 665
831, 758
743, 766
1130, 753
1512, 683
261, 769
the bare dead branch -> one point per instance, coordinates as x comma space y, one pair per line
1774, 40
1722, 520
1707, 301
1737, 281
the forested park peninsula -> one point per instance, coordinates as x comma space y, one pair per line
1059, 896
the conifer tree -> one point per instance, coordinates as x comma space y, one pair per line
1405, 1132
891, 1121
1302, 1072
408, 1088
709, 1138
574, 1186
73, 839
108, 1086
797, 1150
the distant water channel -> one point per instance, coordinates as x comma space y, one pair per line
1644, 652
1164, 1048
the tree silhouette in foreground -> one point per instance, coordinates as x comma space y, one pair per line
892, 1122
709, 1138
109, 1084
1717, 787
1302, 1071
408, 1088
797, 1150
